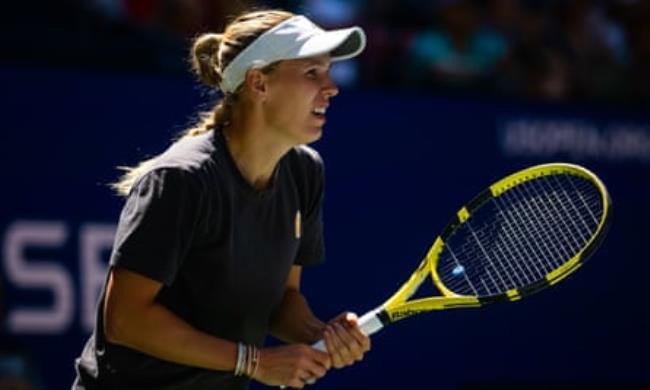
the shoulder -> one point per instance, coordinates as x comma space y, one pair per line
189, 153
187, 162
305, 158
167, 182
307, 172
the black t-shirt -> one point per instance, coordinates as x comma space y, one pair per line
222, 250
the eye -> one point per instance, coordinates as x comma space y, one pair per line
312, 73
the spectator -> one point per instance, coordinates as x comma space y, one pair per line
542, 49
390, 40
535, 66
458, 53
638, 31
593, 62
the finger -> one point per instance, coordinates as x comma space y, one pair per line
333, 346
295, 381
322, 358
345, 332
339, 317
361, 338
351, 317
346, 344
310, 377
314, 370
358, 343
307, 376
313, 364
352, 321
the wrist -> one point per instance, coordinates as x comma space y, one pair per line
316, 330
248, 360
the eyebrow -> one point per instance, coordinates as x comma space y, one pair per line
321, 62
303, 63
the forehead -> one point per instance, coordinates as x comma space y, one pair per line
322, 60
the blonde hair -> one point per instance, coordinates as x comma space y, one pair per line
210, 55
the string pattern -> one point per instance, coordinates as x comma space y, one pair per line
519, 237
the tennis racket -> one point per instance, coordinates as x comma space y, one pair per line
524, 233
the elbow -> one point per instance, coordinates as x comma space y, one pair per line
127, 307
113, 330
116, 326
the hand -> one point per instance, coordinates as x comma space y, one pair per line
345, 342
291, 365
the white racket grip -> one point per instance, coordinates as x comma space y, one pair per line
369, 324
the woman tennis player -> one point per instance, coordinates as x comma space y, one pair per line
215, 231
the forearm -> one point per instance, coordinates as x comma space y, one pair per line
157, 331
293, 320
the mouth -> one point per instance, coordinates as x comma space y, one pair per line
319, 112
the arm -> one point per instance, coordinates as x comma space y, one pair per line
132, 318
294, 322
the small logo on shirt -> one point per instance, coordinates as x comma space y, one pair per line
297, 223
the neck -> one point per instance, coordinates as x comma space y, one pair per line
255, 152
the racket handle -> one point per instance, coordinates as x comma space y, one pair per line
320, 345
369, 324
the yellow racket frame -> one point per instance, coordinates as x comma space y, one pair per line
398, 307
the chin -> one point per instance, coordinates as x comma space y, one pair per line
308, 134
314, 135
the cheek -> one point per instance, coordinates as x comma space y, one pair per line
291, 100
294, 101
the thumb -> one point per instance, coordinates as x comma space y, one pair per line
351, 318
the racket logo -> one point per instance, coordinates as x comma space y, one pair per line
297, 223
404, 313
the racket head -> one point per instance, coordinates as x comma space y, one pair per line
524, 233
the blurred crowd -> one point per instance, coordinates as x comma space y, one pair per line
540, 49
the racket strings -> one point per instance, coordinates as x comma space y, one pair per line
539, 256
541, 229
521, 236
543, 224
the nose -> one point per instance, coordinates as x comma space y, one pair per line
330, 89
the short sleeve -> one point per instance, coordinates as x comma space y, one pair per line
311, 250
157, 224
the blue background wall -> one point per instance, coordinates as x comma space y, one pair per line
398, 166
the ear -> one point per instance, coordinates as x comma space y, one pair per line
256, 83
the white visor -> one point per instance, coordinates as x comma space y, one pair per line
294, 38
